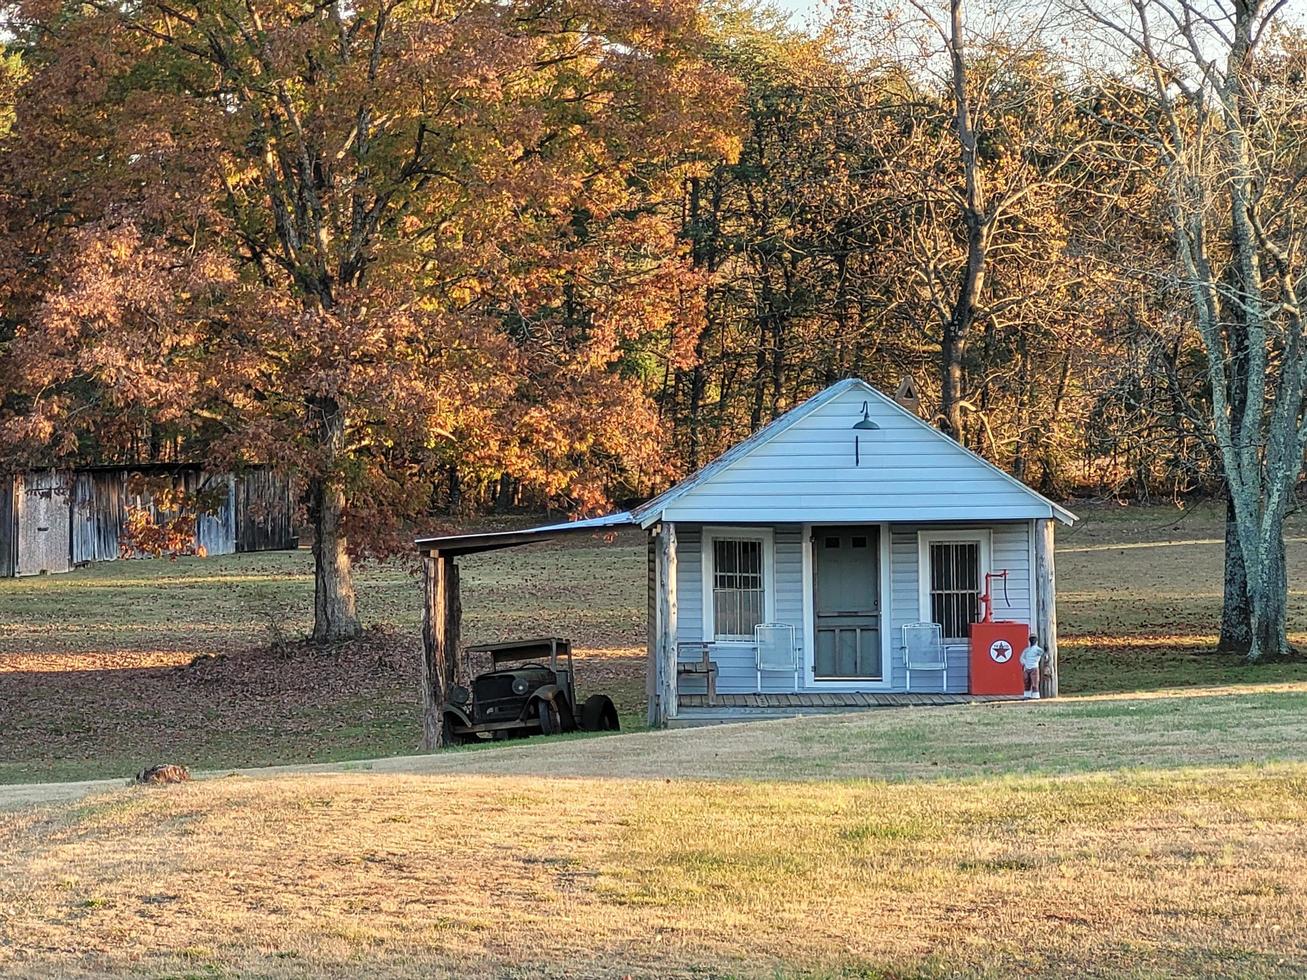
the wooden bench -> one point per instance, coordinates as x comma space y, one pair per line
704, 665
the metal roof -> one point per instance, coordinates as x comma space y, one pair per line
467, 544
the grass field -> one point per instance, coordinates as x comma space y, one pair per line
1153, 823
477, 864
99, 672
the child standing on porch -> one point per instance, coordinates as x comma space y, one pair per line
1031, 657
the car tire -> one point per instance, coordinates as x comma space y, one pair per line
599, 715
550, 723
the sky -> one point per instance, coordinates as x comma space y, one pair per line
800, 11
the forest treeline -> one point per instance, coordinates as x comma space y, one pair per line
439, 258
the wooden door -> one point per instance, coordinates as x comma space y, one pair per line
43, 524
846, 603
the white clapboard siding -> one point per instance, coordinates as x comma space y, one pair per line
1009, 549
802, 468
736, 662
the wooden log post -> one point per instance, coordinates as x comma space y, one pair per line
1046, 604
663, 706
455, 671
441, 614
652, 684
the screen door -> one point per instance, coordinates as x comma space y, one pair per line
846, 603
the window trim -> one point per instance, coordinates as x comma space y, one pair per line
966, 535
711, 535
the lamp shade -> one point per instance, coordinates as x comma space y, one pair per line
866, 422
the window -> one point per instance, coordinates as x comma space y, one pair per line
737, 578
952, 568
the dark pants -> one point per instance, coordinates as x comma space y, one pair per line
1031, 678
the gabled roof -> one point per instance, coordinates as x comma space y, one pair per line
956, 485
769, 431
800, 467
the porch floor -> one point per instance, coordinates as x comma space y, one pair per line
694, 710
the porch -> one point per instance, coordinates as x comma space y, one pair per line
694, 709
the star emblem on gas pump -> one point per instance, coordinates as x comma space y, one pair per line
1000, 651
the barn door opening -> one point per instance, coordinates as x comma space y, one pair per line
846, 603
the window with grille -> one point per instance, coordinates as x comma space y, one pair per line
738, 592
955, 586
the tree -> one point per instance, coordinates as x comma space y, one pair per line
357, 240
1224, 109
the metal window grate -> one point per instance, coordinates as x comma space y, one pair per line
955, 586
737, 587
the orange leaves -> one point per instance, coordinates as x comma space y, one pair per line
143, 534
454, 222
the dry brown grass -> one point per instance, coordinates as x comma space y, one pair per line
1146, 874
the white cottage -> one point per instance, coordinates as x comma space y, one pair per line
783, 573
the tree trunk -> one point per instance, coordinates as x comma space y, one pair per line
335, 613
951, 384
1269, 613
1236, 614
455, 490
972, 282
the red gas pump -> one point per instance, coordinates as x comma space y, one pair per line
996, 645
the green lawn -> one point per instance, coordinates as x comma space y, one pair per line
96, 672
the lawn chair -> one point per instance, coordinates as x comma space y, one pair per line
775, 650
923, 649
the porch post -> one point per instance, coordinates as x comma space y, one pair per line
662, 704
1046, 602
454, 672
652, 682
441, 613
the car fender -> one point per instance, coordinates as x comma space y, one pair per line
546, 692
457, 712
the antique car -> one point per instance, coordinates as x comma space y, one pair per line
529, 690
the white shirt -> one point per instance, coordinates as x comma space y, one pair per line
1031, 656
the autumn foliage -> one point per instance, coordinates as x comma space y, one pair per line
359, 242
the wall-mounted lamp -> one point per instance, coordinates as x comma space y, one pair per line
864, 424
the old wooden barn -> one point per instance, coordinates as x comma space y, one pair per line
799, 569
54, 520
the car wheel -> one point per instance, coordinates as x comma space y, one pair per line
550, 723
598, 714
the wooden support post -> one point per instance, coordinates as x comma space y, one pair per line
442, 610
651, 681
1046, 603
454, 669
662, 706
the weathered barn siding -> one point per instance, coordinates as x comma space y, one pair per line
52, 520
102, 497
266, 512
42, 519
99, 509
8, 528
215, 532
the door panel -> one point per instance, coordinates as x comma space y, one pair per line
846, 603
43, 525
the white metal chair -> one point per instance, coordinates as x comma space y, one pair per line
775, 650
923, 649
